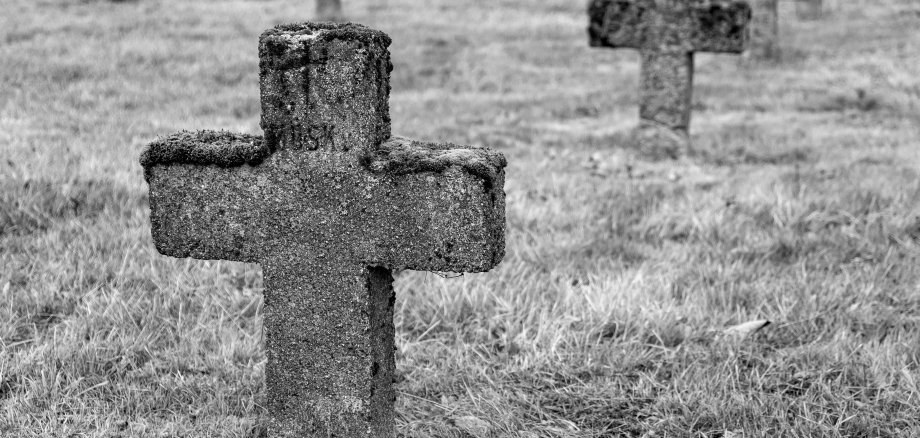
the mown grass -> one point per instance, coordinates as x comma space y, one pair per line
606, 318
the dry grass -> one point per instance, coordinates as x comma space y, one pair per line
799, 206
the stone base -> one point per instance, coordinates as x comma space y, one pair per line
660, 142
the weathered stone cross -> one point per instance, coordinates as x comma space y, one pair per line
328, 204
809, 9
764, 30
667, 33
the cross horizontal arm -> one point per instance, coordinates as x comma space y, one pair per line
404, 204
454, 195
721, 26
202, 202
670, 25
616, 23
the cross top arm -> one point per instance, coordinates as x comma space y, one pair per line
324, 86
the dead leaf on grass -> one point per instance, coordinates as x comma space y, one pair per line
744, 330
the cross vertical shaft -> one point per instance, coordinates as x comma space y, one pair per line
764, 30
666, 89
330, 339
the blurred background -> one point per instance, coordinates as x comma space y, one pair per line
608, 316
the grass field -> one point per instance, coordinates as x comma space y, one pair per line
799, 205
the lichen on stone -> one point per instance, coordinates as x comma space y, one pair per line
220, 148
325, 31
401, 156
397, 156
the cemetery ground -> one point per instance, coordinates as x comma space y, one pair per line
800, 204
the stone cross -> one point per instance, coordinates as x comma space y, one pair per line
809, 9
329, 205
764, 30
667, 33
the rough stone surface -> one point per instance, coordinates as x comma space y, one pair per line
328, 216
764, 30
667, 33
809, 9
346, 103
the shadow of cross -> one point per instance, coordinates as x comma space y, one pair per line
328, 204
667, 33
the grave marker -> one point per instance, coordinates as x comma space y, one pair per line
809, 9
329, 204
667, 34
764, 30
